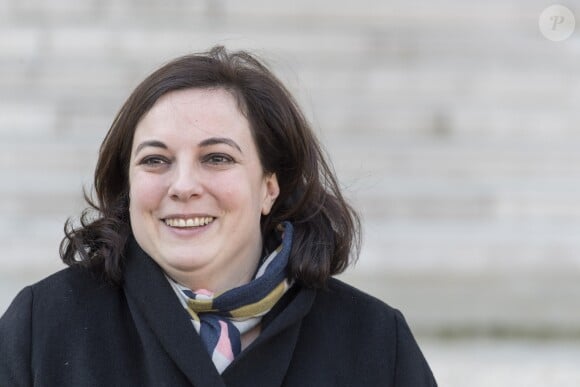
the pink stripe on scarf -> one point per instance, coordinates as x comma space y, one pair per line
224, 346
204, 292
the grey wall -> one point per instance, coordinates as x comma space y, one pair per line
453, 127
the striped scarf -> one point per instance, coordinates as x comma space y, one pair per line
221, 319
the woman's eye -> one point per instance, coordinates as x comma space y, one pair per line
154, 161
219, 159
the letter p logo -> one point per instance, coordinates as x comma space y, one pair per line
557, 23
557, 19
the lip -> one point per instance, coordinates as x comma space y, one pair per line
186, 231
186, 216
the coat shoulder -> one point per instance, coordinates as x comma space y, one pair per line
72, 277
69, 293
367, 321
367, 336
350, 300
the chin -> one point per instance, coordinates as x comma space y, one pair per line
184, 261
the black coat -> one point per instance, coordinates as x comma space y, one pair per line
74, 329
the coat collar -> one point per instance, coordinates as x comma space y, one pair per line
264, 362
146, 285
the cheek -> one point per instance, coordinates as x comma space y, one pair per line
146, 192
233, 194
226, 193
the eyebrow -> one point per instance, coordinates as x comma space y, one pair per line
153, 143
220, 140
207, 142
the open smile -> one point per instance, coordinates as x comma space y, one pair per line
188, 222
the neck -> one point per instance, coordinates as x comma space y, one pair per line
216, 283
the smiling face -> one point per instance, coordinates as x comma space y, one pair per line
198, 190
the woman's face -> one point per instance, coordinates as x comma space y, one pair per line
197, 189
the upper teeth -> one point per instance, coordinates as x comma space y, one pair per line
190, 222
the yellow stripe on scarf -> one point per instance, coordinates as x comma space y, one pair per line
193, 314
201, 306
263, 305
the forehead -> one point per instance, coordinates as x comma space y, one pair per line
197, 112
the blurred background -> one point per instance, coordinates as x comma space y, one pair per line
453, 126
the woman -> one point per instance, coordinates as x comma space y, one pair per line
218, 227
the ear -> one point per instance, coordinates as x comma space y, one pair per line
272, 190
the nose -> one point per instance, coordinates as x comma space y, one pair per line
185, 183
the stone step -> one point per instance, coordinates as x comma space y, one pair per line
456, 202
503, 361
502, 305
422, 83
438, 50
479, 162
59, 154
365, 12
427, 40
447, 246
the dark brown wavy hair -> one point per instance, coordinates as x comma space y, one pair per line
326, 228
